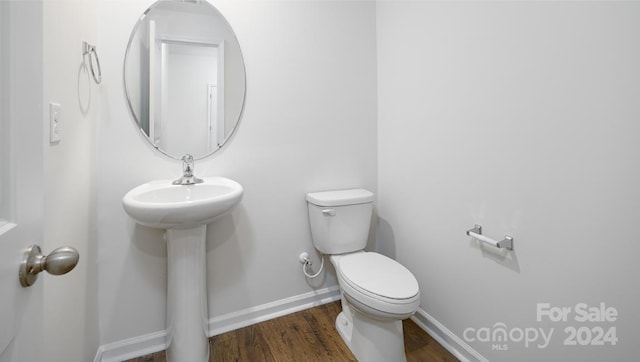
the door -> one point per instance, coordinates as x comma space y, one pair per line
21, 173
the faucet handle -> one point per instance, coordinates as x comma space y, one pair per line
187, 172
187, 158
187, 165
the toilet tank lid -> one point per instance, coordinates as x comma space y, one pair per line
340, 197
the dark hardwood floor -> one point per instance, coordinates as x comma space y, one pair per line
308, 335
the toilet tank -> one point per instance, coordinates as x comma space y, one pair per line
340, 220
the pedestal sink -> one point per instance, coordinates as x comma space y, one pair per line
184, 211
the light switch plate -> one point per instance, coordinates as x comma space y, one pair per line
55, 122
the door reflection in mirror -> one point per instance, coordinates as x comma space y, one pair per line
185, 117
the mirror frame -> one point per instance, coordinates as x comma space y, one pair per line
135, 119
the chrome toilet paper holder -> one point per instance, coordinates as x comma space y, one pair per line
476, 233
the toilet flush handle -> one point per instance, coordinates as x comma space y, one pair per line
329, 212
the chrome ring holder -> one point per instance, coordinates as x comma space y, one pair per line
88, 49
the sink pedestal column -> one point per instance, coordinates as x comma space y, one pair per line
187, 316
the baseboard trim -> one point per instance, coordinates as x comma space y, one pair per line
452, 343
154, 342
132, 347
246, 317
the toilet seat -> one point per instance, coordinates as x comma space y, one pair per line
378, 284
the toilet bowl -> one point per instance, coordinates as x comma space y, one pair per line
377, 285
377, 292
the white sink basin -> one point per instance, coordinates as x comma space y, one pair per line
185, 211
160, 204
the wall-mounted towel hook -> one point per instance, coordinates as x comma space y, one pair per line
90, 50
506, 243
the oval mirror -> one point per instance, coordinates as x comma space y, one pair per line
184, 78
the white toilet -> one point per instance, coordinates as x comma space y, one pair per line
377, 292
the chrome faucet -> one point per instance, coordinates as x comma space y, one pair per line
187, 172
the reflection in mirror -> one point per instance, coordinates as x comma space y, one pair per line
184, 78
190, 70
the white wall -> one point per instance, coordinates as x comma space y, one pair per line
70, 304
309, 124
521, 117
